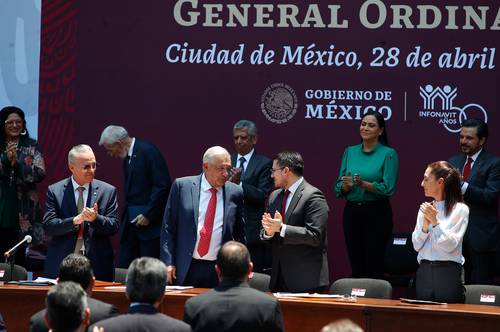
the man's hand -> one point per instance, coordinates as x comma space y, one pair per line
140, 220
272, 225
89, 214
171, 274
236, 175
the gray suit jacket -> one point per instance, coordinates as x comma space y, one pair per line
482, 198
301, 254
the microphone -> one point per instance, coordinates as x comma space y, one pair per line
12, 250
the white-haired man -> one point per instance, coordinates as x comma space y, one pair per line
202, 213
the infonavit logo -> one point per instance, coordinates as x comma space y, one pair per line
438, 104
279, 103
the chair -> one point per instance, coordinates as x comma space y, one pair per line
482, 294
364, 287
19, 273
260, 281
120, 275
400, 263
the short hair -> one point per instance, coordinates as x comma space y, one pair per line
480, 125
77, 149
76, 268
452, 183
342, 325
146, 280
233, 260
248, 125
214, 151
291, 159
112, 134
66, 303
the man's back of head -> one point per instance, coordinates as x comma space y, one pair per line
233, 261
67, 308
146, 280
77, 268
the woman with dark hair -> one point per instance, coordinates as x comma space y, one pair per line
21, 167
367, 178
438, 236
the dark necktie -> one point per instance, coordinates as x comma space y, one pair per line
208, 225
467, 167
283, 203
242, 164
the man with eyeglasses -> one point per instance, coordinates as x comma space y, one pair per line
295, 224
203, 212
81, 216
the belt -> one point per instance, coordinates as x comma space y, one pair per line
367, 203
203, 261
439, 263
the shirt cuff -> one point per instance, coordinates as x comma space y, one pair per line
283, 230
265, 236
465, 185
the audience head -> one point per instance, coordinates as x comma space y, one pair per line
216, 166
82, 163
442, 182
13, 123
67, 308
245, 136
77, 268
233, 261
342, 325
146, 280
287, 167
473, 136
116, 141
373, 128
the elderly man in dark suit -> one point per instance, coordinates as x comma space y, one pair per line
146, 281
252, 172
481, 188
77, 268
296, 224
147, 183
203, 212
81, 216
233, 305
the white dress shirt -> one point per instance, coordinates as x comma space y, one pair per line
247, 159
216, 239
442, 242
131, 150
465, 184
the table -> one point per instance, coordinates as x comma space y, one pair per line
18, 303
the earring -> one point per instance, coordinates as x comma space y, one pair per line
23, 132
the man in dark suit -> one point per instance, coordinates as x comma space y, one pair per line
233, 305
203, 212
147, 183
67, 308
78, 227
77, 268
296, 224
251, 171
146, 281
481, 187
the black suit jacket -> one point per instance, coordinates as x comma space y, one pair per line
144, 318
98, 311
482, 198
60, 209
301, 254
2, 325
147, 183
233, 306
257, 184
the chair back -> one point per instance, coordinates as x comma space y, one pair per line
400, 257
19, 273
120, 275
362, 287
260, 281
482, 294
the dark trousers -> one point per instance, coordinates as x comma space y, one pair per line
441, 281
201, 274
367, 228
132, 246
479, 265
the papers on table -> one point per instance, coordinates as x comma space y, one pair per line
167, 289
419, 301
40, 281
308, 295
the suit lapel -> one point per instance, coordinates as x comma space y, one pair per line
250, 166
476, 166
69, 196
129, 166
195, 196
92, 197
225, 205
293, 203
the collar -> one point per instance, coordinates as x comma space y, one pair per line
205, 186
141, 307
227, 283
247, 156
76, 185
295, 185
131, 148
474, 156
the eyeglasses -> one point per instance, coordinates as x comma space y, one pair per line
13, 122
277, 169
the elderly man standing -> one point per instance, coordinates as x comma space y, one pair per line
147, 183
81, 216
252, 171
203, 212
